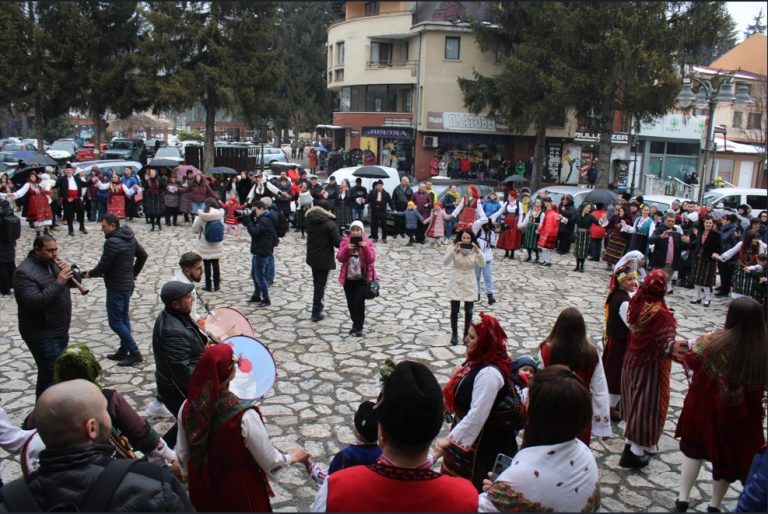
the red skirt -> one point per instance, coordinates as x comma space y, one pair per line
512, 237
116, 205
467, 216
548, 241
39, 209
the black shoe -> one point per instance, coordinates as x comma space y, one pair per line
265, 303
671, 291
710, 508
576, 268
207, 288
255, 298
581, 270
71, 233
706, 304
132, 360
528, 259
83, 231
357, 333
352, 331
630, 460
695, 301
548, 265
216, 288
722, 295
491, 299
118, 355
318, 317
454, 340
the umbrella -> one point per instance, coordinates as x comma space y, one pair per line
321, 148
36, 157
603, 196
181, 171
370, 172
221, 170
515, 178
20, 177
163, 163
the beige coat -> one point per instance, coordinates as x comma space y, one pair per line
463, 285
208, 251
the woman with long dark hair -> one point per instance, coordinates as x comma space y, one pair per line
707, 243
617, 240
153, 198
744, 284
722, 417
567, 344
553, 471
566, 228
463, 257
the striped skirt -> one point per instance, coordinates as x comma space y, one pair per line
530, 237
644, 399
617, 246
581, 249
744, 284
703, 271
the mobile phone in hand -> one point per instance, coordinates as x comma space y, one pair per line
465, 246
356, 240
502, 462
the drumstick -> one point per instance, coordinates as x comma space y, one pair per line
207, 309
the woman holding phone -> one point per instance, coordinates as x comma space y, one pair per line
356, 255
462, 257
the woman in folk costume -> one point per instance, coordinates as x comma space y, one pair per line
485, 406
530, 226
747, 250
117, 193
722, 417
617, 240
548, 233
632, 261
231, 221
153, 198
641, 230
645, 374
222, 442
553, 471
616, 335
343, 205
707, 243
469, 209
511, 238
39, 207
583, 222
567, 344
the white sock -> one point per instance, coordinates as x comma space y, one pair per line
719, 488
698, 292
707, 293
688, 475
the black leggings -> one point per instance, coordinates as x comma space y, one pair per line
171, 213
211, 267
354, 291
455, 316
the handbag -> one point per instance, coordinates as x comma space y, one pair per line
371, 289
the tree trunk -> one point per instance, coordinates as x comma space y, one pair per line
604, 154
538, 153
39, 126
96, 116
210, 129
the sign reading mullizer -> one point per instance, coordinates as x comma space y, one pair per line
390, 132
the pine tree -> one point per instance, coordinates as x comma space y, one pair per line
757, 26
704, 31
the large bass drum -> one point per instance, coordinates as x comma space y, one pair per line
227, 322
256, 369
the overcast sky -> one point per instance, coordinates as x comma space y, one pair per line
743, 13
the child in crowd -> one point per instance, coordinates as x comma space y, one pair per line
523, 369
303, 203
231, 223
436, 224
365, 450
412, 220
491, 205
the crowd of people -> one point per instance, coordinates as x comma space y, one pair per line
520, 425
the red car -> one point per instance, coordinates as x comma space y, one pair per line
87, 152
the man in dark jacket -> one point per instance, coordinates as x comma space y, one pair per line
359, 195
400, 197
263, 242
120, 264
7, 250
70, 189
76, 467
322, 237
664, 257
730, 234
177, 344
45, 307
378, 201
316, 190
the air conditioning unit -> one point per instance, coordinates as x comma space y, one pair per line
430, 141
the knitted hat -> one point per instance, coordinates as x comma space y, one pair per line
410, 406
366, 422
77, 362
358, 224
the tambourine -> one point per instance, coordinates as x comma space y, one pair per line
256, 369
227, 322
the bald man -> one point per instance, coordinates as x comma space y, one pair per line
73, 422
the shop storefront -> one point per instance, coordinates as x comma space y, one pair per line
671, 147
390, 146
568, 162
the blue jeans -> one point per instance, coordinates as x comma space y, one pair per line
99, 208
270, 273
449, 225
45, 351
259, 276
118, 303
194, 207
357, 213
487, 271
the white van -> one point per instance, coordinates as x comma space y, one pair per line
732, 197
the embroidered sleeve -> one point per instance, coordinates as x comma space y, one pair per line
257, 441
487, 384
321, 499
601, 403
503, 497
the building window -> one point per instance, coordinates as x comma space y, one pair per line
725, 169
737, 119
754, 120
340, 53
339, 75
371, 8
376, 98
381, 54
452, 48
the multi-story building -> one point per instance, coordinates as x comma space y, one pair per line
396, 66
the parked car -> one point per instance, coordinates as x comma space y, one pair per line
732, 197
662, 202
127, 149
18, 147
271, 155
170, 152
33, 142
87, 152
63, 149
110, 167
557, 192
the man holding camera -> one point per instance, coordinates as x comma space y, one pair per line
263, 241
667, 242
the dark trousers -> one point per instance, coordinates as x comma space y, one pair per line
6, 275
45, 351
379, 219
171, 213
319, 281
71, 210
595, 248
353, 290
99, 208
130, 208
400, 225
411, 233
726, 270
564, 240
172, 399
88, 206
421, 229
212, 265
455, 316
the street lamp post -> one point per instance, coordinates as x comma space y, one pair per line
708, 96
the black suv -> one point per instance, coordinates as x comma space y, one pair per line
127, 150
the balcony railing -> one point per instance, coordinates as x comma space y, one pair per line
390, 64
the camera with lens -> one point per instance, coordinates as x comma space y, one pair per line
243, 213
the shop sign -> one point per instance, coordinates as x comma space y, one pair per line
354, 133
462, 121
617, 138
388, 132
675, 126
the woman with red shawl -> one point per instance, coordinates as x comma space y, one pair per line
222, 442
645, 374
468, 210
39, 211
485, 406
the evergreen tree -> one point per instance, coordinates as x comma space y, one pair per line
704, 31
757, 26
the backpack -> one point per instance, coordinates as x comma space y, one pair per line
10, 227
214, 231
282, 225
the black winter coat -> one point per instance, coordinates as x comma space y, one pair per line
263, 235
386, 201
713, 244
62, 184
7, 248
658, 257
568, 212
45, 307
177, 345
117, 264
401, 197
322, 237
66, 476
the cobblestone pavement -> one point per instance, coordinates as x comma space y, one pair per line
323, 373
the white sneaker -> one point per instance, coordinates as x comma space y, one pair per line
156, 409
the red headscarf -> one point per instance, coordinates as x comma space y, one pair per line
491, 350
650, 321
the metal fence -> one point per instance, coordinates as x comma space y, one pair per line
238, 158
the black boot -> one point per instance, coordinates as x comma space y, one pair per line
506, 253
630, 460
454, 339
491, 299
529, 257
512, 254
537, 256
